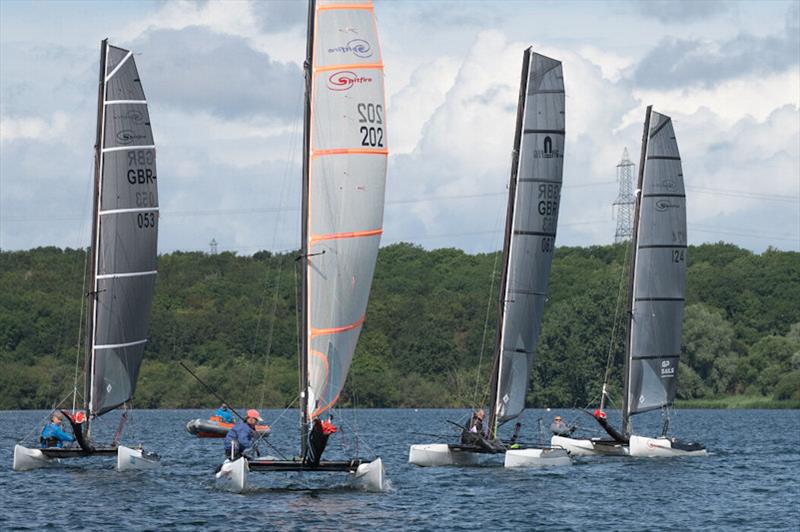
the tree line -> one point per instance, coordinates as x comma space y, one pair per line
429, 333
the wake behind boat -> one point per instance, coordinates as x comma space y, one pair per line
656, 291
531, 220
344, 174
123, 267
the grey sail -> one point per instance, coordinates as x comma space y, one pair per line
346, 182
659, 272
126, 234
530, 240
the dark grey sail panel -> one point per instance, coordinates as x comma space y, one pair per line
659, 274
127, 237
535, 217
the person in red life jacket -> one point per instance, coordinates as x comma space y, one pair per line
52, 433
240, 437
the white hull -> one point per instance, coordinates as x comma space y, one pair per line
536, 458
26, 459
233, 476
135, 459
578, 447
440, 454
659, 448
371, 476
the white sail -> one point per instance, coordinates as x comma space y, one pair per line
346, 180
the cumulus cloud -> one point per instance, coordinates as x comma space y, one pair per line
674, 11
681, 62
197, 69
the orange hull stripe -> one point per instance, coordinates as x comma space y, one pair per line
345, 151
344, 6
334, 330
338, 236
371, 66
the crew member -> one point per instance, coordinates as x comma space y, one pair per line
52, 433
559, 428
514, 441
240, 437
224, 414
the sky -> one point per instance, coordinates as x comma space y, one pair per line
224, 84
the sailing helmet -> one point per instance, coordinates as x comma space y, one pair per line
254, 414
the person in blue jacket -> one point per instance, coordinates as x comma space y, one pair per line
52, 433
224, 414
241, 436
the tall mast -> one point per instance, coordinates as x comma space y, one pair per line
512, 197
98, 170
626, 422
304, 223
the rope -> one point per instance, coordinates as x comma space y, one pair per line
46, 417
610, 358
486, 319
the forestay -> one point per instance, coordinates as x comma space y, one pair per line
531, 239
126, 231
659, 273
345, 190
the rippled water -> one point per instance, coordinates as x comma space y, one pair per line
750, 481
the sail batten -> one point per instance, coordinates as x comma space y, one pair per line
658, 273
534, 197
125, 235
346, 172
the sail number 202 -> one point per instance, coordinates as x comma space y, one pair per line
371, 114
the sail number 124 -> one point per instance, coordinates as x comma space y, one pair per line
371, 115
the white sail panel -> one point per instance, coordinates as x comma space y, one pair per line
127, 236
533, 231
345, 190
659, 275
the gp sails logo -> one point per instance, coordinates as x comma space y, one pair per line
344, 80
358, 47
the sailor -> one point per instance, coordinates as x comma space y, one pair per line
473, 432
514, 441
224, 414
240, 437
52, 433
559, 428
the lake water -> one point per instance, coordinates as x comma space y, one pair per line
751, 480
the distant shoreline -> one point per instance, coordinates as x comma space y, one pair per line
739, 402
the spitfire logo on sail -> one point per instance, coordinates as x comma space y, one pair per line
133, 115
358, 47
126, 137
664, 205
345, 80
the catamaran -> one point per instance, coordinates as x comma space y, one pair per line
123, 265
656, 289
344, 174
531, 219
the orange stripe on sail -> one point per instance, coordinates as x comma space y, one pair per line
344, 151
373, 66
338, 236
320, 410
344, 6
335, 330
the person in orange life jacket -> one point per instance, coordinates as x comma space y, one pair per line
52, 433
241, 436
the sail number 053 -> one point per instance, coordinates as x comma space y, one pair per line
146, 219
372, 115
